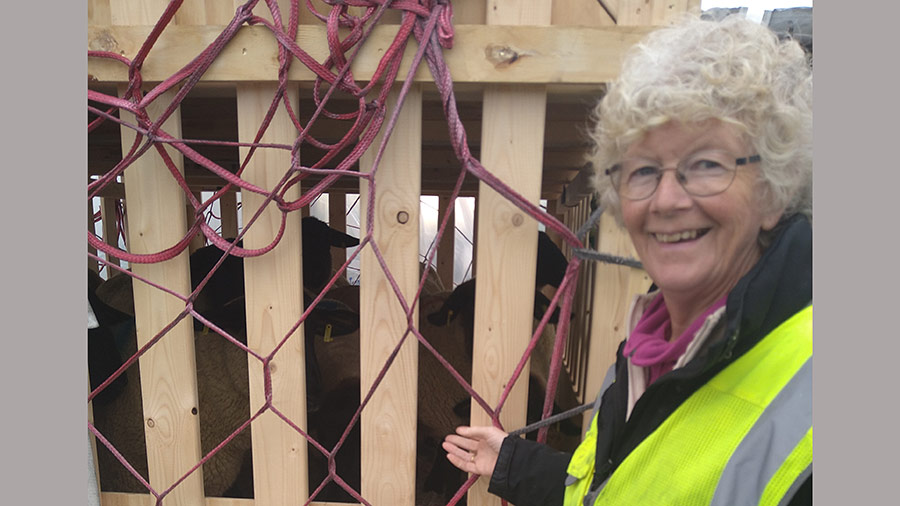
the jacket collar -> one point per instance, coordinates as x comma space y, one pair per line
779, 285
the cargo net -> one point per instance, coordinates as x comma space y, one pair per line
216, 302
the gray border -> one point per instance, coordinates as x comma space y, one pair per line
45, 157
855, 445
855, 345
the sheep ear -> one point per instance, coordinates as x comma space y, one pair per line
334, 315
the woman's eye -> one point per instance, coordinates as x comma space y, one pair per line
706, 165
645, 171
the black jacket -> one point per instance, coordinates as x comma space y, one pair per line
778, 286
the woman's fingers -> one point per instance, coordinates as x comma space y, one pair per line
462, 442
474, 449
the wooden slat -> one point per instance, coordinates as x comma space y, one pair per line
446, 252
469, 12
611, 7
92, 264
123, 499
481, 54
274, 298
92, 439
614, 287
98, 12
205, 12
580, 13
274, 295
228, 210
198, 241
337, 219
388, 423
653, 12
110, 230
512, 149
156, 222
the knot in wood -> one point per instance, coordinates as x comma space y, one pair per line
517, 220
104, 41
501, 56
403, 217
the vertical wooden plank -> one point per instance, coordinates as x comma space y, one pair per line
474, 237
388, 423
156, 221
469, 12
205, 12
445, 255
92, 264
198, 240
580, 13
228, 210
512, 148
611, 7
274, 299
92, 439
98, 12
337, 219
653, 12
110, 229
614, 287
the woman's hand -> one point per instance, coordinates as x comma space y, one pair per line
474, 449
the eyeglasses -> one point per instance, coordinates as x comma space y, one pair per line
703, 174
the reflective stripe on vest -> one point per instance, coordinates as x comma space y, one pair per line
745, 437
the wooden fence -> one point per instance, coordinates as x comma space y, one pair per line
527, 74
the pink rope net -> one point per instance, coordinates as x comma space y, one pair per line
429, 23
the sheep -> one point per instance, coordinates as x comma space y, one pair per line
438, 394
217, 298
222, 368
443, 403
224, 400
102, 350
549, 271
223, 392
222, 385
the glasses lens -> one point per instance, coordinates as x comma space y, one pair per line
707, 173
638, 178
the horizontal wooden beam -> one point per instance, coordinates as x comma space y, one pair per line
124, 499
481, 54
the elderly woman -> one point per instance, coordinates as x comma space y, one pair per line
705, 156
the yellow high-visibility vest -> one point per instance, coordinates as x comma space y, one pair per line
743, 438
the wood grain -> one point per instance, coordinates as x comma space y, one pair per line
388, 423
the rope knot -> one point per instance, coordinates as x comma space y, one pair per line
243, 12
445, 23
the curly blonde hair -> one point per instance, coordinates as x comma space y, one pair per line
734, 70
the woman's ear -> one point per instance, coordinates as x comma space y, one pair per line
771, 213
770, 219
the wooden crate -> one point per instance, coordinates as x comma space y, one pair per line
527, 74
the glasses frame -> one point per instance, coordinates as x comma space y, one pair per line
612, 171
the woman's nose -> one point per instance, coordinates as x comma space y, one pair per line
670, 194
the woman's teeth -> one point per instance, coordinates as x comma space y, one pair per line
677, 237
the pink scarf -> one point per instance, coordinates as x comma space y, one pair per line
650, 345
